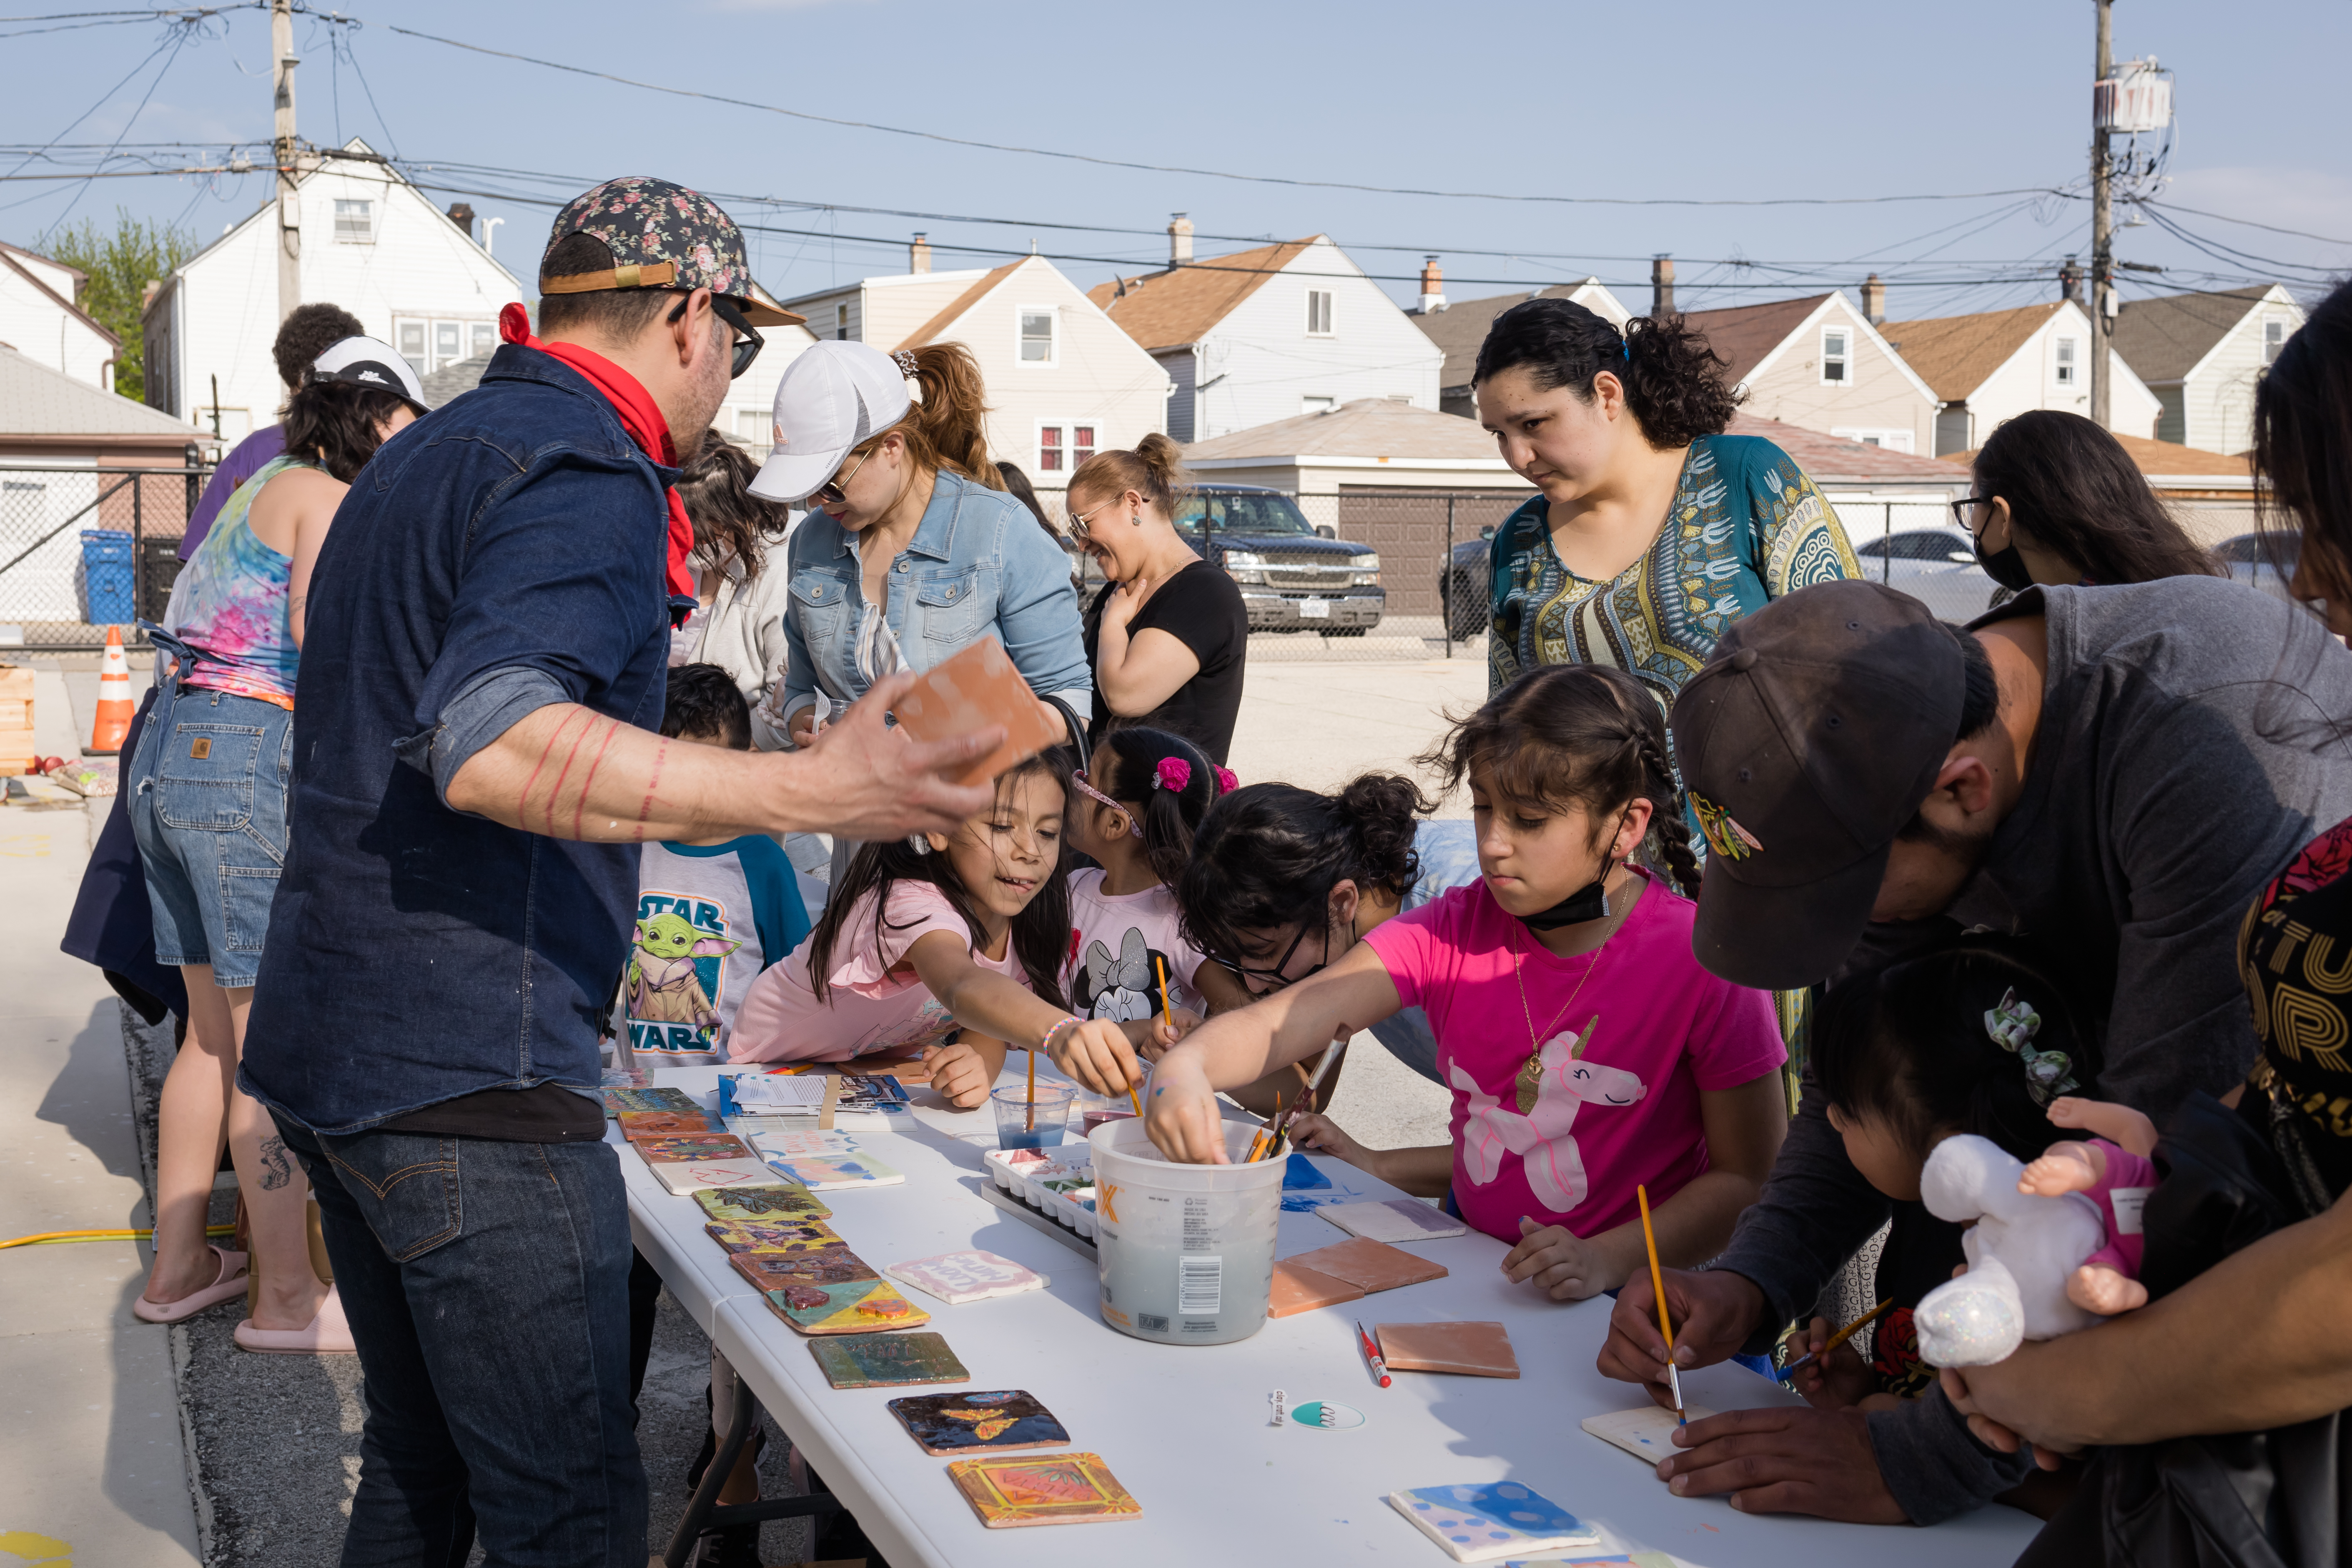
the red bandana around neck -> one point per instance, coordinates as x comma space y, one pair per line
639, 417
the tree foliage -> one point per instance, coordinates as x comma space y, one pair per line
121, 265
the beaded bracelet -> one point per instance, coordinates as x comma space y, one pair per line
1047, 1043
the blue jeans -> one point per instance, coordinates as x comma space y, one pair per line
486, 1284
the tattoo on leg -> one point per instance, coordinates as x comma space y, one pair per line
276, 1170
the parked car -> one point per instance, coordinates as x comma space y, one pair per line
1463, 587
1937, 566
1292, 578
2263, 560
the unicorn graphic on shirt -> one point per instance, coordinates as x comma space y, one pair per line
1541, 1138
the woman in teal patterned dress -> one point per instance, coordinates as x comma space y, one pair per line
1654, 529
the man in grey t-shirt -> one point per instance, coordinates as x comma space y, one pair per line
2110, 773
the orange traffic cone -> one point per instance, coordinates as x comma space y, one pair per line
114, 705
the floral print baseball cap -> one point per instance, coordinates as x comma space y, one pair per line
662, 235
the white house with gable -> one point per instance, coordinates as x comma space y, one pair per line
1063, 382
1270, 333
42, 319
371, 243
1994, 365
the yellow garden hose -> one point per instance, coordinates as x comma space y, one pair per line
48, 1237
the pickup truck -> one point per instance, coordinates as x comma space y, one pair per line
1292, 578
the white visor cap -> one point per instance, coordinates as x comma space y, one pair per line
831, 397
370, 362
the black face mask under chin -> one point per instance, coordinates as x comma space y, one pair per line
1589, 902
2004, 566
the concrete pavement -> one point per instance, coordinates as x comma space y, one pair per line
96, 1473
1319, 725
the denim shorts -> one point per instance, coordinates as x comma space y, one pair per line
207, 805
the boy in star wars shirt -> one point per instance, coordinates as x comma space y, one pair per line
711, 913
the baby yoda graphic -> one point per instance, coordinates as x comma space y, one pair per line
1538, 1134
1122, 988
663, 983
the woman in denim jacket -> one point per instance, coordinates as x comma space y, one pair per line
912, 549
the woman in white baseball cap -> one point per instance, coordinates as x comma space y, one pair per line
222, 729
912, 548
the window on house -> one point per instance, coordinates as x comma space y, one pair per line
354, 222
412, 345
1834, 355
445, 339
755, 426
1036, 337
1318, 405
1893, 440
1318, 312
1061, 448
2274, 338
486, 340
841, 324
2066, 361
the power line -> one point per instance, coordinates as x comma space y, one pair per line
179, 41
2245, 221
1220, 173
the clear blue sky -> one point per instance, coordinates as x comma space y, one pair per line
1702, 101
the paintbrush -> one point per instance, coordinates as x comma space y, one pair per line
1836, 1339
1160, 974
1658, 1284
1306, 1099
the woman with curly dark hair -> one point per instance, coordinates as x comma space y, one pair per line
1623, 432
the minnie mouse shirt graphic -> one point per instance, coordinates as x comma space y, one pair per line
1113, 940
1613, 1104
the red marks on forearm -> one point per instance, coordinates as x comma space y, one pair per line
555, 791
523, 801
653, 783
579, 807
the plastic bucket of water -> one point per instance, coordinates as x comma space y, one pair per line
1187, 1251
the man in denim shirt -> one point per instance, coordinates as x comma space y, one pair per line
475, 762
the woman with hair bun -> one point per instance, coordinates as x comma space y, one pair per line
912, 550
1168, 635
1282, 880
1654, 529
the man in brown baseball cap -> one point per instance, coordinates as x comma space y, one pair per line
2109, 774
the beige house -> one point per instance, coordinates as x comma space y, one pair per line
2202, 354
40, 318
1818, 362
1996, 364
1460, 328
1064, 382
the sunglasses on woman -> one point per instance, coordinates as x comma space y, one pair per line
831, 491
747, 347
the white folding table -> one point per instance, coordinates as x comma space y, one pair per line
1185, 1428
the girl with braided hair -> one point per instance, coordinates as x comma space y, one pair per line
1587, 1051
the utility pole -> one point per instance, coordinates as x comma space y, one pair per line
289, 201
2103, 250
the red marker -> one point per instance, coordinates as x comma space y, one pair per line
1372, 1355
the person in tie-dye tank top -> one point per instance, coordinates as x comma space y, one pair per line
207, 804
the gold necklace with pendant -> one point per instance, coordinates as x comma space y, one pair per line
1529, 1078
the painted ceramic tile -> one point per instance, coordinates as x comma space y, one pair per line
850, 1307
793, 1143
1647, 1434
705, 1146
640, 1125
1298, 1288
825, 1173
1066, 1488
616, 1101
1475, 1350
787, 1271
692, 1175
760, 1205
623, 1078
740, 1236
947, 1425
887, 1361
1399, 1219
1481, 1523
1370, 1266
955, 1277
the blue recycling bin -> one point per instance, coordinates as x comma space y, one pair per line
107, 599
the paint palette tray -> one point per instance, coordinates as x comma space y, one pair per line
1063, 1189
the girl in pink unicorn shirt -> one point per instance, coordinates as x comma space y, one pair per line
1587, 1051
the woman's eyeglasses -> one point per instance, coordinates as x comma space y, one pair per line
747, 347
1961, 510
831, 491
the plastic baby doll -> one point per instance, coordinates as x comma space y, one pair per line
2114, 1169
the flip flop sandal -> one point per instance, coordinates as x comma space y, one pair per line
229, 1282
330, 1334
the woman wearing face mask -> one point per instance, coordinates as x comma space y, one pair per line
1621, 433
911, 551
2059, 501
1168, 635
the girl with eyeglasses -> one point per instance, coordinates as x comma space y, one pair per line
2059, 501
1586, 1050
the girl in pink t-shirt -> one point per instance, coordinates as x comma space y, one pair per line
1586, 1050
951, 934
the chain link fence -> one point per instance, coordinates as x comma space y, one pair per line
82, 549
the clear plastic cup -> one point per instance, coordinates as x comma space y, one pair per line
1021, 1125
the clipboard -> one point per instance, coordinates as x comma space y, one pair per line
970, 690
